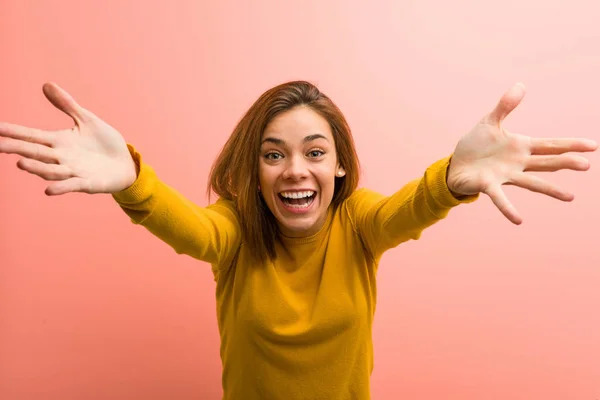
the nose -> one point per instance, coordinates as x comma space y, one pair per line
296, 169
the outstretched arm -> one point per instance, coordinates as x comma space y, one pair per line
383, 222
484, 159
92, 157
211, 233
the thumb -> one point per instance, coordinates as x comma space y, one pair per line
508, 102
64, 101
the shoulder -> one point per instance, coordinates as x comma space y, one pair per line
362, 198
226, 208
357, 206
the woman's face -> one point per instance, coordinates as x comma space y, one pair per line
297, 170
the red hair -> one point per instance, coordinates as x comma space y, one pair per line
234, 174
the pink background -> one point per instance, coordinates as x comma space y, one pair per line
93, 307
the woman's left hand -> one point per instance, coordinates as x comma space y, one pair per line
489, 156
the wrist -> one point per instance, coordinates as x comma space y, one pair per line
457, 195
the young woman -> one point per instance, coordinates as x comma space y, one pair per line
294, 245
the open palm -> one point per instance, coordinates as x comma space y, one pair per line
488, 157
90, 157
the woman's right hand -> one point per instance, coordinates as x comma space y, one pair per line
90, 157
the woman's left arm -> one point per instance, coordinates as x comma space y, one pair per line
484, 159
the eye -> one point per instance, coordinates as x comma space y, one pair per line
315, 153
273, 156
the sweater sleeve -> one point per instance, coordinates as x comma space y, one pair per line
210, 234
384, 222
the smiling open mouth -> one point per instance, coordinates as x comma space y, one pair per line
298, 200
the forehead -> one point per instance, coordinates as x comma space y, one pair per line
295, 124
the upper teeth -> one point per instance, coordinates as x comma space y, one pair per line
297, 195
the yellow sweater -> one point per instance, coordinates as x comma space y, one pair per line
300, 327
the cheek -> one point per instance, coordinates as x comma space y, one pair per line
326, 178
266, 176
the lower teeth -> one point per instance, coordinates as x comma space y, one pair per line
305, 205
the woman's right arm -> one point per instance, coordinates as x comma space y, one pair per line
210, 234
93, 157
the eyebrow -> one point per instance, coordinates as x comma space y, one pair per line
281, 142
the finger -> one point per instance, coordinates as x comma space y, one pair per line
557, 162
68, 186
561, 145
29, 150
31, 135
49, 172
508, 102
503, 204
64, 102
538, 185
